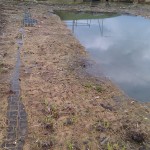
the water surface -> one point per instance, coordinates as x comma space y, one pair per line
120, 46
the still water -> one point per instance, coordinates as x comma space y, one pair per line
120, 46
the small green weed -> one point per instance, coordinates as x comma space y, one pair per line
115, 146
109, 146
88, 85
103, 123
98, 89
48, 119
46, 103
106, 124
70, 146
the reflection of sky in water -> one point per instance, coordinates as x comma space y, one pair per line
121, 47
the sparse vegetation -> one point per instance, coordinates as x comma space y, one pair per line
70, 146
1, 67
115, 146
98, 88
61, 109
88, 85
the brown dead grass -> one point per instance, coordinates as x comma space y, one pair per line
67, 109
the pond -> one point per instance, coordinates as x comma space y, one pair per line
120, 46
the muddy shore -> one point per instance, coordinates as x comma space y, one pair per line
67, 108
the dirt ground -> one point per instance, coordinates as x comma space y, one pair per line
67, 108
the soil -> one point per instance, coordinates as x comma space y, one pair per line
67, 108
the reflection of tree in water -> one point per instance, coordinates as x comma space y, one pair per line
90, 0
93, 2
87, 23
75, 23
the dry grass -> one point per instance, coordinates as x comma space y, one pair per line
66, 108
64, 1
3, 109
